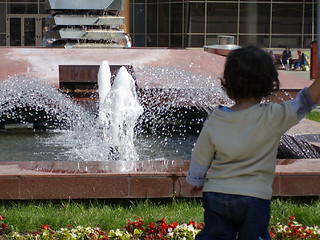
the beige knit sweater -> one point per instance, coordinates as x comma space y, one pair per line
241, 147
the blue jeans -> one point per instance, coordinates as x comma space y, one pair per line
231, 217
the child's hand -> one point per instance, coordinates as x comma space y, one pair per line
318, 71
195, 190
314, 89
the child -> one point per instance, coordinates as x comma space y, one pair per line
273, 57
234, 158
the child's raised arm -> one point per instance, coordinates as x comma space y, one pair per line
314, 89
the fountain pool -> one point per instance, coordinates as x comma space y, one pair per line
74, 133
28, 145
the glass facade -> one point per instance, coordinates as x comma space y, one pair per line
184, 23
195, 23
21, 22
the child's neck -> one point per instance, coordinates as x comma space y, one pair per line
241, 104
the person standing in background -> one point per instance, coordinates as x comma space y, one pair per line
46, 42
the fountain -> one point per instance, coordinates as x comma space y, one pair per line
68, 160
119, 111
224, 46
86, 23
109, 133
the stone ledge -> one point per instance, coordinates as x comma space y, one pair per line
21, 180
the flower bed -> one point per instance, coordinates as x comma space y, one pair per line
294, 230
135, 230
138, 230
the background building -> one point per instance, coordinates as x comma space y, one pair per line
183, 23
21, 22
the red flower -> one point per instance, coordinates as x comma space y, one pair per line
194, 224
4, 226
151, 225
173, 225
272, 235
134, 225
292, 218
45, 227
308, 232
151, 228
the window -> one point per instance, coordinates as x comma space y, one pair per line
22, 8
194, 23
222, 17
196, 18
287, 18
254, 18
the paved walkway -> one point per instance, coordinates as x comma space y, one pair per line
301, 74
294, 79
307, 129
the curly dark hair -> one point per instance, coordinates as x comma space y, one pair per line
249, 72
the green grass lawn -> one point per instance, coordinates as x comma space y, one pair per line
113, 214
314, 115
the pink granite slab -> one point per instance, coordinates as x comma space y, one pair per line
149, 179
44, 63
